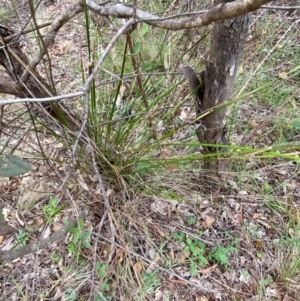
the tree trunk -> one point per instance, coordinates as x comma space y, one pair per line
227, 43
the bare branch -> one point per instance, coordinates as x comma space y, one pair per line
22, 100
219, 12
280, 7
10, 255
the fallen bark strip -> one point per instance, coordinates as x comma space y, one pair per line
10, 255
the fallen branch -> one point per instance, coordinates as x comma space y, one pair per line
10, 255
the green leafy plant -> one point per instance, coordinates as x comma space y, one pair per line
192, 220
22, 237
296, 125
151, 281
266, 188
101, 269
196, 250
52, 209
180, 237
263, 284
220, 254
56, 257
70, 294
79, 235
245, 273
104, 286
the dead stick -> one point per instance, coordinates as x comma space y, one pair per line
10, 255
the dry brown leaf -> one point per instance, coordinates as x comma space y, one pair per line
138, 269
208, 270
186, 114
93, 178
291, 187
172, 255
183, 115
183, 256
159, 126
169, 167
84, 185
256, 215
109, 192
158, 295
239, 218
167, 152
283, 75
286, 298
160, 206
46, 233
152, 253
38, 221
208, 222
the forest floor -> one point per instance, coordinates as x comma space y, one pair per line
168, 238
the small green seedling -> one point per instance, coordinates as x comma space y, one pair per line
151, 281
220, 254
104, 286
70, 294
22, 237
78, 235
52, 209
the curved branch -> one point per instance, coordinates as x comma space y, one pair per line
219, 12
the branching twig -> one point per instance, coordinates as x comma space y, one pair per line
219, 12
53, 98
280, 7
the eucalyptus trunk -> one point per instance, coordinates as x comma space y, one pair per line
215, 85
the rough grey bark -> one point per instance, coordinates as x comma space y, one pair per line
14, 62
227, 43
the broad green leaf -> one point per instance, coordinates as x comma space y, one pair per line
144, 29
12, 166
136, 49
101, 269
147, 66
76, 237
